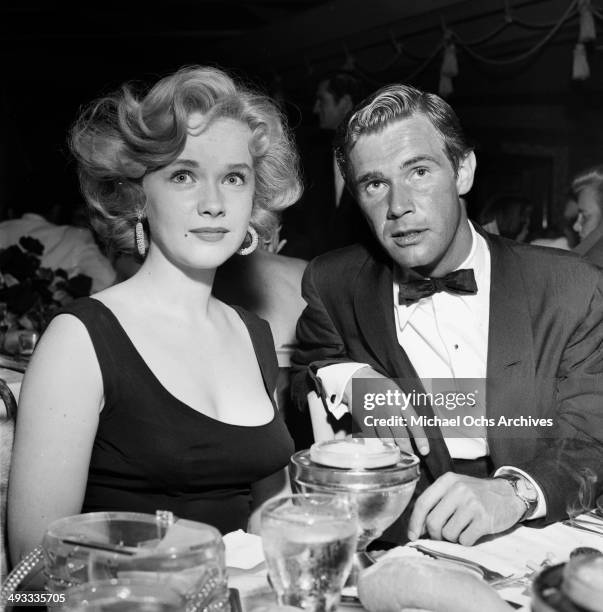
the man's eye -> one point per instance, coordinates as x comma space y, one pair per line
182, 177
373, 186
420, 172
235, 179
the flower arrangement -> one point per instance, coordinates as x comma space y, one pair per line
31, 294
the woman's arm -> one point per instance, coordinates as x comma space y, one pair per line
275, 485
60, 401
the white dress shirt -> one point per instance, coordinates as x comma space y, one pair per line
445, 337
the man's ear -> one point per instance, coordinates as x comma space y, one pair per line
465, 173
346, 104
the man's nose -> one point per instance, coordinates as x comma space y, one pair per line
316, 107
577, 227
210, 201
400, 202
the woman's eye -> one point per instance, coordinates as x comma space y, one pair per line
182, 177
234, 179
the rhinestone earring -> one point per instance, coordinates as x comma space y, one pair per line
139, 233
252, 236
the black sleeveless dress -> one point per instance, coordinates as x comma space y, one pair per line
153, 452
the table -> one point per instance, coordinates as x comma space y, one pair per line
514, 552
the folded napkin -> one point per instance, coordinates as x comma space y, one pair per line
243, 550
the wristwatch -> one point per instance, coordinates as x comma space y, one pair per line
525, 490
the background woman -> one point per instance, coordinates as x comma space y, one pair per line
587, 191
154, 394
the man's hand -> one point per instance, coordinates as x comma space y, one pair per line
399, 435
462, 509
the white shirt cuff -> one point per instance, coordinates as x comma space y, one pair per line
541, 505
334, 380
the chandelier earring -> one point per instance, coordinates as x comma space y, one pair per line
141, 246
250, 243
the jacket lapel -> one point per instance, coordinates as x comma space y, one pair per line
374, 309
510, 365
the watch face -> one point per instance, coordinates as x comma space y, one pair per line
527, 490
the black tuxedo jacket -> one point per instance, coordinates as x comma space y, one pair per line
545, 355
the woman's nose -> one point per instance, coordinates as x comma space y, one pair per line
210, 202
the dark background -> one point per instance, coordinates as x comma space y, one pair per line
533, 126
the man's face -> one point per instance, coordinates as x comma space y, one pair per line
330, 112
407, 188
590, 215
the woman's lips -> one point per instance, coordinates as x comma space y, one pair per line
210, 234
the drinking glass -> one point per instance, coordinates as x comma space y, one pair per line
27, 342
309, 543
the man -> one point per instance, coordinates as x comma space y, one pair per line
587, 191
528, 321
326, 217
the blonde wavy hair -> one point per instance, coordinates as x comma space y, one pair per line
121, 137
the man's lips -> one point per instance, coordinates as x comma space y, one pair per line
408, 237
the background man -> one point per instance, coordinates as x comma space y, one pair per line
440, 298
326, 217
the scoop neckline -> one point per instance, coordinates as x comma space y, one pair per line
242, 313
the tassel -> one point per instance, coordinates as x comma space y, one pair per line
450, 65
587, 22
580, 70
445, 88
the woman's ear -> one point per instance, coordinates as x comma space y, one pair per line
465, 174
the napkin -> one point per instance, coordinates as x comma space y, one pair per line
243, 550
246, 568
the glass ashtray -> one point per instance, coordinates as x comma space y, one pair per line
355, 453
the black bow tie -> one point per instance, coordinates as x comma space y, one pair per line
460, 281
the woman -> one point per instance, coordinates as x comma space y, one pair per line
153, 394
587, 191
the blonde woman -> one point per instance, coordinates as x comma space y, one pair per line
153, 394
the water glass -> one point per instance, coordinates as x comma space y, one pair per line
309, 543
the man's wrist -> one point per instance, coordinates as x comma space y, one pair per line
523, 491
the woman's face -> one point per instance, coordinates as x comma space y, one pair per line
198, 207
589, 212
